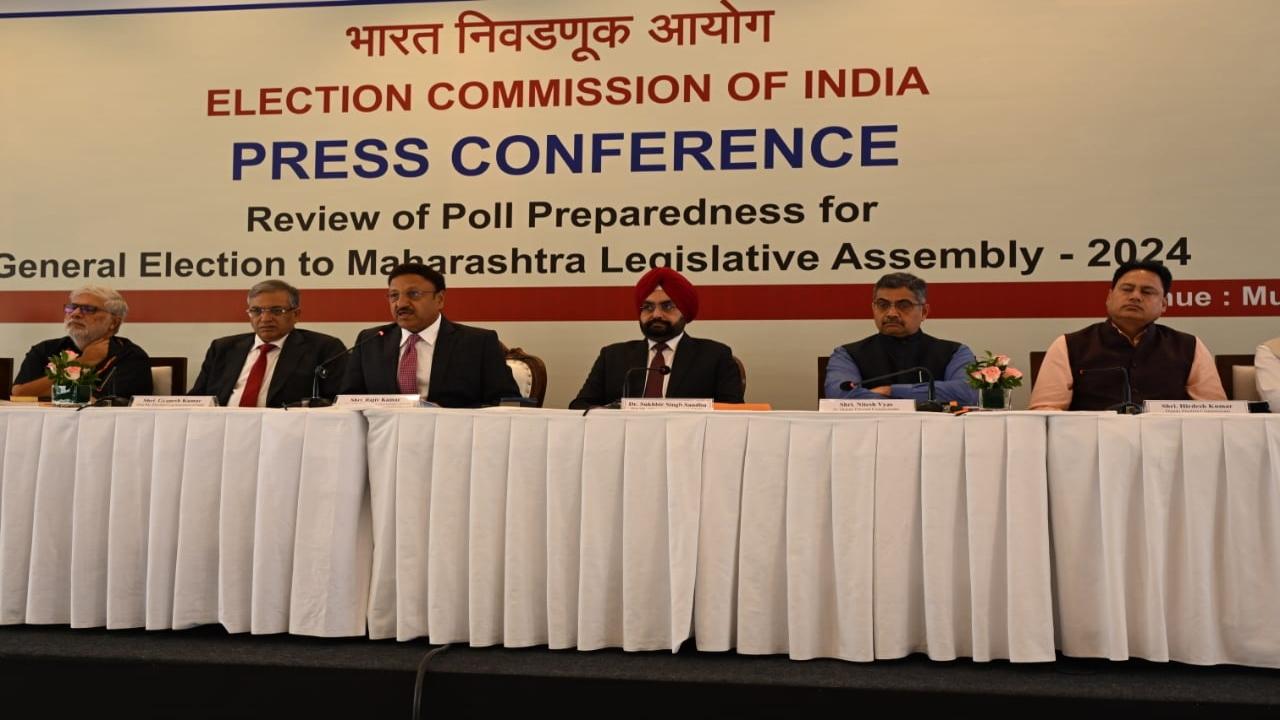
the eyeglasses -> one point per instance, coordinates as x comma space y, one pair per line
413, 295
903, 306
86, 309
666, 305
276, 310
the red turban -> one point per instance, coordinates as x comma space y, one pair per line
677, 288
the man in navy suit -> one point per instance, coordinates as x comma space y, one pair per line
424, 354
668, 362
275, 364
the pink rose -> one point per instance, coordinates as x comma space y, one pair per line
991, 374
1002, 360
1012, 373
73, 372
50, 368
976, 375
72, 354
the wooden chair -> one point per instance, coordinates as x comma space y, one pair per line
530, 373
1236, 373
168, 375
1037, 359
742, 371
6, 377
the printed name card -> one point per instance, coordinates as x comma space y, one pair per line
355, 402
667, 404
866, 406
174, 401
1198, 407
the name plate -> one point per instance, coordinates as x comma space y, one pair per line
174, 401
866, 406
667, 404
1198, 407
378, 401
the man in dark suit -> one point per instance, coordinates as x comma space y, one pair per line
668, 362
424, 354
275, 364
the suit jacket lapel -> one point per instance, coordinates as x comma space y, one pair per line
290, 354
441, 354
686, 356
637, 357
232, 366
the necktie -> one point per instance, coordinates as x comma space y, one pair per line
653, 378
408, 374
253, 386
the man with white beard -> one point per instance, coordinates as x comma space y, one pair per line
92, 318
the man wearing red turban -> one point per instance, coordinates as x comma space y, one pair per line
668, 362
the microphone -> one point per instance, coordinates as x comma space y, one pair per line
322, 373
110, 399
929, 405
626, 385
1126, 405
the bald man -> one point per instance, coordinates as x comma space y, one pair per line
667, 362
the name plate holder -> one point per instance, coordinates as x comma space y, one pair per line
360, 402
849, 405
1197, 407
678, 404
181, 402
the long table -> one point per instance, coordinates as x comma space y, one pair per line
996, 535
169, 519
804, 534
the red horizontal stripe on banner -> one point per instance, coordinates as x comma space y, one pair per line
1002, 300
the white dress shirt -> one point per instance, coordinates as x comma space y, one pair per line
1267, 373
272, 358
426, 347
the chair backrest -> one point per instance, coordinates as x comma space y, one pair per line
742, 372
1037, 359
6, 377
168, 375
530, 373
822, 373
1237, 387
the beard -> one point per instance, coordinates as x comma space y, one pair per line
82, 336
661, 330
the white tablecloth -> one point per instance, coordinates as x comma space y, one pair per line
169, 518
1166, 537
811, 535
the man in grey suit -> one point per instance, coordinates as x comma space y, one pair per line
275, 364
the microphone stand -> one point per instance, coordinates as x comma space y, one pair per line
929, 405
1126, 406
626, 386
322, 373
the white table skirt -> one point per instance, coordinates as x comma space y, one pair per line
257, 520
1166, 537
811, 535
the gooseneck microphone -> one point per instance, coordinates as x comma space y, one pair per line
626, 385
1126, 406
322, 373
110, 399
929, 405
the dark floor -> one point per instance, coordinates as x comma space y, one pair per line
206, 673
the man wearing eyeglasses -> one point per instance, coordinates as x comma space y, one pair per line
899, 306
91, 318
668, 362
274, 365
423, 353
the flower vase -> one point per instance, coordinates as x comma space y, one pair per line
71, 394
995, 398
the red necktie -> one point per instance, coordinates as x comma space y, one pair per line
253, 386
408, 374
653, 379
